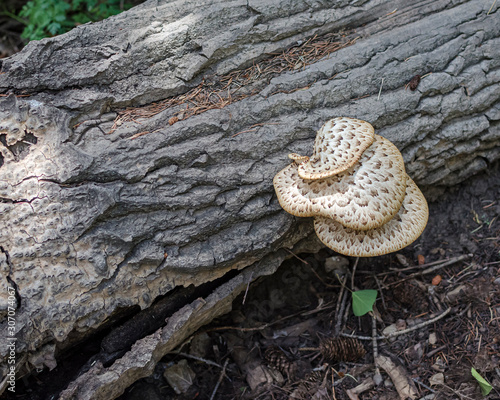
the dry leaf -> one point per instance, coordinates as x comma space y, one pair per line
180, 376
437, 379
437, 280
403, 383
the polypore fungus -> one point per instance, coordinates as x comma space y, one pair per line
338, 145
399, 232
363, 197
369, 208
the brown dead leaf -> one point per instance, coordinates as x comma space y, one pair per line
180, 376
437, 280
399, 376
364, 386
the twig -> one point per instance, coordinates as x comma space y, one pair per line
380, 291
403, 332
246, 290
339, 311
423, 384
264, 326
308, 349
462, 396
374, 343
208, 362
354, 272
374, 337
17, 95
296, 256
239, 133
221, 376
138, 135
363, 387
320, 278
333, 386
435, 351
421, 325
438, 262
432, 269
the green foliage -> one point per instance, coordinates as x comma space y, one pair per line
53, 17
483, 383
363, 301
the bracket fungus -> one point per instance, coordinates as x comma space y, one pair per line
368, 206
339, 144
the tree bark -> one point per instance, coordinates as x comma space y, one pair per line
98, 217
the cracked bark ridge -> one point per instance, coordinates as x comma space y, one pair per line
93, 223
166, 45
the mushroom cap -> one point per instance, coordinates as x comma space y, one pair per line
402, 230
363, 197
339, 143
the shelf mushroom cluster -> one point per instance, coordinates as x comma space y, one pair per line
356, 188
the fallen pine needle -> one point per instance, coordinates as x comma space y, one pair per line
252, 128
380, 91
139, 135
491, 8
216, 92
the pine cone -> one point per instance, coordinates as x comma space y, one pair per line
309, 385
314, 378
277, 359
410, 296
342, 349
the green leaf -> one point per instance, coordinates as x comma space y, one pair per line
483, 383
362, 301
52, 17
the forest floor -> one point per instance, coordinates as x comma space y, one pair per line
444, 290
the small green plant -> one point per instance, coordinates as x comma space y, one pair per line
45, 18
483, 383
363, 301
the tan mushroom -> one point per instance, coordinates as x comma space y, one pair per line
399, 232
363, 197
356, 187
339, 143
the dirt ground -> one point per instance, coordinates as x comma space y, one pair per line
445, 289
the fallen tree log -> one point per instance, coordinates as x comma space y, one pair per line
106, 209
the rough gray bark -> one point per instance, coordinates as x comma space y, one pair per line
93, 222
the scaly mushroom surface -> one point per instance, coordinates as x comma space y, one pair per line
365, 196
399, 232
356, 188
339, 144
